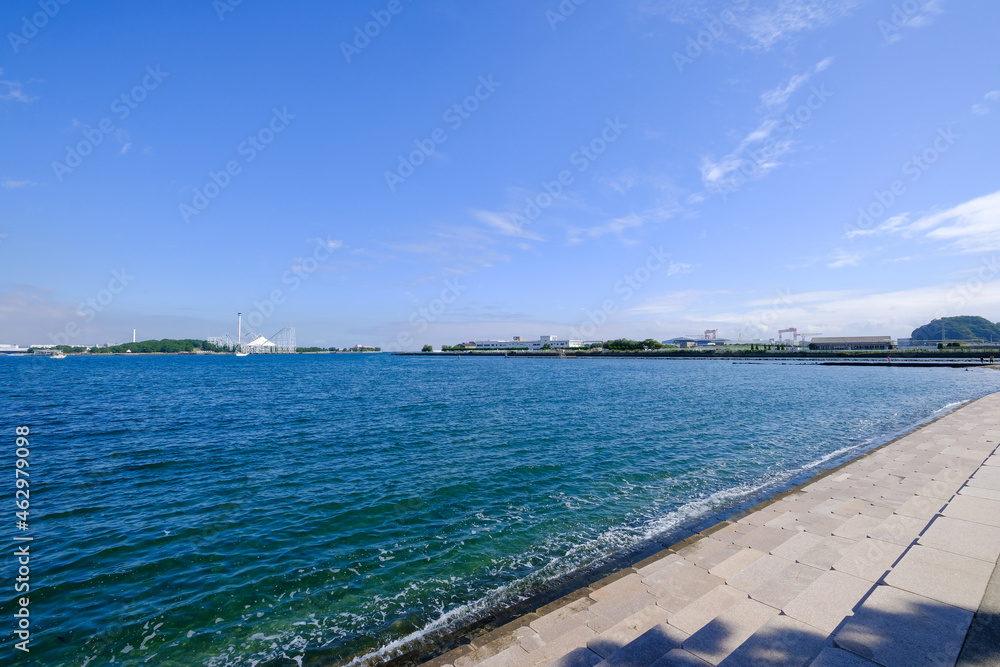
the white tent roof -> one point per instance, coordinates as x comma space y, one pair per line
260, 341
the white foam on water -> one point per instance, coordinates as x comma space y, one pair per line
949, 407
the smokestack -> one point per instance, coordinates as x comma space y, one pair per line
133, 335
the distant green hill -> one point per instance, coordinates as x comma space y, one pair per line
965, 327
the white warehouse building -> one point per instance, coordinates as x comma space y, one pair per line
518, 342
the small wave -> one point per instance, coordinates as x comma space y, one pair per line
949, 407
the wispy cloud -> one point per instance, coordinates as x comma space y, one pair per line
503, 223
969, 227
768, 23
842, 258
983, 108
619, 226
759, 152
912, 14
760, 24
779, 96
10, 91
11, 184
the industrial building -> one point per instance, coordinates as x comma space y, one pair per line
518, 343
852, 343
684, 342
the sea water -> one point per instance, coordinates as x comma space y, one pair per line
214, 510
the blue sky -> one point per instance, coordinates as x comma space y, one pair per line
483, 170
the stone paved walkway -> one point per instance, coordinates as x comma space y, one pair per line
883, 561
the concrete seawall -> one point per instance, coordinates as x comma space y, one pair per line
885, 560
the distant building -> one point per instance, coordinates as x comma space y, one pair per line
518, 342
852, 343
685, 342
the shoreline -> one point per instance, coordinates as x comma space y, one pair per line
440, 647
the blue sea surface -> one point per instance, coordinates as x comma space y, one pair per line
214, 510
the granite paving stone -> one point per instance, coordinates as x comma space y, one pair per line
572, 641
785, 586
818, 524
723, 634
857, 527
963, 537
828, 600
977, 510
611, 640
685, 587
763, 538
680, 658
660, 561
921, 507
977, 492
869, 559
611, 611
945, 577
835, 657
709, 555
758, 572
647, 648
898, 529
781, 642
694, 616
896, 628
736, 562
827, 552
850, 507
799, 544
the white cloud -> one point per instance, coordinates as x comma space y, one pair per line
970, 227
10, 91
983, 109
11, 184
620, 225
858, 312
504, 224
768, 23
754, 24
760, 151
779, 96
671, 302
912, 14
677, 267
843, 258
